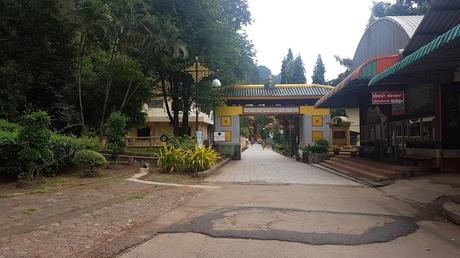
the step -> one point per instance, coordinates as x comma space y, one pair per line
388, 167
353, 172
375, 169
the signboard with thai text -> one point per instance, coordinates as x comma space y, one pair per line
387, 97
271, 110
219, 136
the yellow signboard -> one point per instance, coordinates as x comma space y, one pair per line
316, 135
228, 136
226, 121
317, 120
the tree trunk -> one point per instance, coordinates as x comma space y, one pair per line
80, 68
175, 105
108, 86
186, 108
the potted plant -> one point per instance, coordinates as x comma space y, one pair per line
336, 150
317, 152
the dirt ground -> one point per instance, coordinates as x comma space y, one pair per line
74, 217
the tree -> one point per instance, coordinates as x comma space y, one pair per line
318, 72
92, 21
35, 137
37, 58
346, 63
399, 8
298, 71
186, 27
286, 67
115, 133
264, 73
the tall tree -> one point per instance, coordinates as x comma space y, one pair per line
92, 21
346, 63
286, 67
298, 71
399, 8
37, 58
318, 72
229, 53
264, 72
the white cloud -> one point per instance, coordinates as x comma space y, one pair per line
309, 27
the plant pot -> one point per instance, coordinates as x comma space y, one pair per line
315, 158
305, 155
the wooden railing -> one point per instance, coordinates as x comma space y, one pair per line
152, 141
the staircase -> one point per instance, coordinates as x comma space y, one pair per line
370, 172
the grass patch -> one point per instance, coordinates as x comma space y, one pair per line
146, 152
135, 197
29, 211
156, 176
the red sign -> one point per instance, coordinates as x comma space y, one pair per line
387, 97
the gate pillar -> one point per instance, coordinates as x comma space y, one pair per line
227, 131
314, 124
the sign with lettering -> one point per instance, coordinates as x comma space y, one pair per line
387, 97
199, 138
219, 136
271, 110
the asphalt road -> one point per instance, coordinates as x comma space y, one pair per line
318, 215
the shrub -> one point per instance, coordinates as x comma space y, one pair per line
181, 142
64, 148
89, 160
115, 132
8, 127
173, 160
10, 166
34, 137
178, 160
203, 159
322, 142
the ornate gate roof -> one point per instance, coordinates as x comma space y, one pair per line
278, 91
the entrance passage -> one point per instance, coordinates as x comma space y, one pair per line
266, 166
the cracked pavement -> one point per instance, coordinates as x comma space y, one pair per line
309, 219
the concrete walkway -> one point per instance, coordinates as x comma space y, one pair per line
266, 166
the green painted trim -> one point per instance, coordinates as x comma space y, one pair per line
437, 43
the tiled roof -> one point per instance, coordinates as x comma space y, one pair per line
279, 90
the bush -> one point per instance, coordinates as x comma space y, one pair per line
89, 160
34, 137
8, 127
320, 149
173, 160
10, 167
115, 132
178, 160
181, 142
322, 142
203, 159
64, 148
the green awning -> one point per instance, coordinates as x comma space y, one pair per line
437, 43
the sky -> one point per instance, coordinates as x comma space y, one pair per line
309, 27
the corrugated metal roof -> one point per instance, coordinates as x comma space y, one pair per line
451, 35
386, 36
408, 23
300, 90
442, 16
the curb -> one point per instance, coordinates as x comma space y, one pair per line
212, 170
451, 211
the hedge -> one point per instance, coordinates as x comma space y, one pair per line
63, 147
